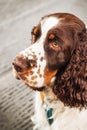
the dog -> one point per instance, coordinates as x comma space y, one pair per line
55, 66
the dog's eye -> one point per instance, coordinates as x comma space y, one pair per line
54, 41
54, 45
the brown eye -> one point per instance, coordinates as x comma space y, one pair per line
54, 45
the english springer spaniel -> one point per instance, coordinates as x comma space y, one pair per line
56, 66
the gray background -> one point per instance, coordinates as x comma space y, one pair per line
17, 17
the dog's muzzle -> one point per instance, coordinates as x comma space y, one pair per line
23, 64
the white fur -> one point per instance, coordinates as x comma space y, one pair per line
47, 24
65, 118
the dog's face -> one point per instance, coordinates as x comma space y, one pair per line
53, 42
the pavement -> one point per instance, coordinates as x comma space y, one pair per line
17, 18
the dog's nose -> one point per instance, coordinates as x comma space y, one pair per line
21, 64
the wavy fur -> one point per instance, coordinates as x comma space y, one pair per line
71, 83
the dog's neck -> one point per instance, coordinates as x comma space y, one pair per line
50, 100
51, 104
48, 92
49, 95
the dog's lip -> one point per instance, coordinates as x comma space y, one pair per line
17, 77
16, 74
36, 88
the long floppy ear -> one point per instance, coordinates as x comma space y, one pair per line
79, 30
71, 81
82, 36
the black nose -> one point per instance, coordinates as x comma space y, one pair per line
21, 64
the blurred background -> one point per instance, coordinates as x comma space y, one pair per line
17, 17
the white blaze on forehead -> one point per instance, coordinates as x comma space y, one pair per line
47, 24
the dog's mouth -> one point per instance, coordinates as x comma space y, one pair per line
36, 88
19, 76
16, 74
33, 79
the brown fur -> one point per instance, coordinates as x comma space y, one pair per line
71, 83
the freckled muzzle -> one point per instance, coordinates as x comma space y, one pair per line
23, 64
29, 66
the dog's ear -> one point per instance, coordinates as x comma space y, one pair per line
82, 36
71, 81
80, 30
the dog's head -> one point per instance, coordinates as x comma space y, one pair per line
53, 41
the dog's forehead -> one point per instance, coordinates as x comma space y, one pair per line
47, 23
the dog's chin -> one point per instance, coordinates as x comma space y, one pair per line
36, 88
32, 87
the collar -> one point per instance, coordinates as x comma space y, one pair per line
48, 110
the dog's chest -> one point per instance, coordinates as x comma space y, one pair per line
51, 114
